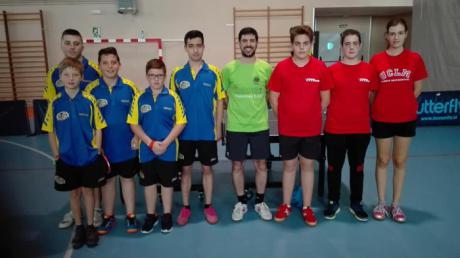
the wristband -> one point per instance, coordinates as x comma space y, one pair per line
151, 144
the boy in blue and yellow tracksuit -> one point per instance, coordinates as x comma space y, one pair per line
114, 96
157, 118
74, 124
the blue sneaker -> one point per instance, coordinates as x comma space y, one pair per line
332, 209
132, 226
107, 225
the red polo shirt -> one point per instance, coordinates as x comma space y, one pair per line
299, 102
348, 111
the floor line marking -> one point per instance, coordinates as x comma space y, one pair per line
29, 148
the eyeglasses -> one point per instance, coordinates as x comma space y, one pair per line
156, 76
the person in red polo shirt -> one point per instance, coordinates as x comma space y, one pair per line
347, 130
299, 92
394, 113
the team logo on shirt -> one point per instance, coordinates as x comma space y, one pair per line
184, 85
256, 80
395, 75
63, 115
59, 180
311, 80
102, 103
365, 80
59, 83
145, 108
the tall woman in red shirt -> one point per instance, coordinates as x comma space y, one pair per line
348, 124
394, 113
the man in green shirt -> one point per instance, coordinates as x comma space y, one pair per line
245, 82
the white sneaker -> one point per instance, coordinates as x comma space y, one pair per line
66, 221
238, 211
263, 211
98, 217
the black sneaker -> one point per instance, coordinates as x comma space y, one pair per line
358, 212
80, 237
166, 223
331, 210
131, 224
149, 223
92, 238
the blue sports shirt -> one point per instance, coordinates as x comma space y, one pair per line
157, 118
54, 85
115, 103
199, 93
74, 122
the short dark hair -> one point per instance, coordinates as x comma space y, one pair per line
349, 32
301, 30
155, 64
193, 34
107, 51
246, 31
72, 32
71, 62
396, 21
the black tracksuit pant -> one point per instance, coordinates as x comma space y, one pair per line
337, 146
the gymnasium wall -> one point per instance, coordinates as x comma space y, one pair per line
168, 20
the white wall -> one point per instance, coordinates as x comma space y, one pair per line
170, 20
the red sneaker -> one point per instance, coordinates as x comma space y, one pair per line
309, 217
211, 215
283, 212
184, 216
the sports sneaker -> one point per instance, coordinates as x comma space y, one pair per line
107, 225
309, 216
149, 223
211, 215
166, 223
397, 214
332, 209
238, 211
98, 216
132, 226
283, 212
358, 212
380, 212
91, 236
66, 221
184, 216
79, 238
263, 211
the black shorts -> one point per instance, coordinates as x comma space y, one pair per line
388, 130
237, 145
125, 169
307, 147
158, 171
207, 152
68, 177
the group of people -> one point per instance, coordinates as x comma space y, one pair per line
95, 114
